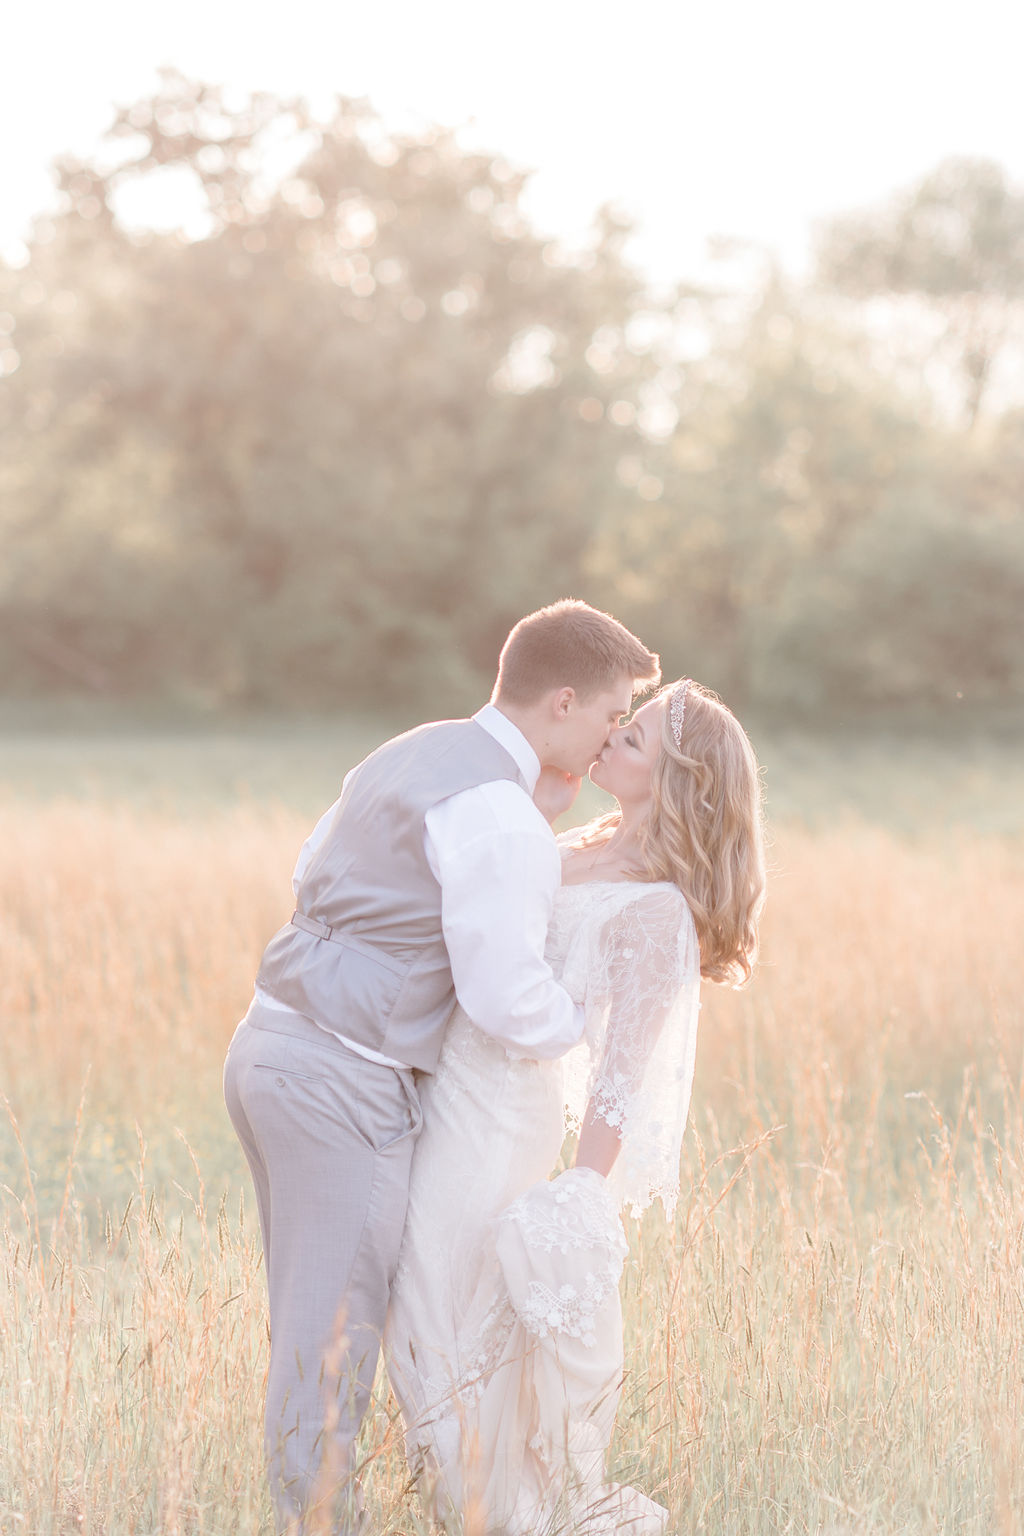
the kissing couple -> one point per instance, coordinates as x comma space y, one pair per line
455, 989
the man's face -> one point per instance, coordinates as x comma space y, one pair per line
626, 765
587, 726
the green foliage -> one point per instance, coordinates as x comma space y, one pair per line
328, 448
956, 242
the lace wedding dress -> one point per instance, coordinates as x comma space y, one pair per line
504, 1339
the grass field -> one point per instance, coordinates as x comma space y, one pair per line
830, 1340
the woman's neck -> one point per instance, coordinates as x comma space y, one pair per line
616, 857
623, 843
628, 831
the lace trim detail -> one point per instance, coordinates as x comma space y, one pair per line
487, 1352
446, 1397
570, 1311
611, 1100
629, 953
572, 1212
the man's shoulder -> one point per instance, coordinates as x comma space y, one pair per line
443, 741
432, 762
494, 807
439, 737
431, 731
433, 739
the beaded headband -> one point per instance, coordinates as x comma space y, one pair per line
677, 709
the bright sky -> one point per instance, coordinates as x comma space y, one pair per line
749, 118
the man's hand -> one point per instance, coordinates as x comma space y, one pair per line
556, 790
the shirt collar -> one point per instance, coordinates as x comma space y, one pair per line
512, 739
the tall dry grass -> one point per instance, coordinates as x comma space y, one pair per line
831, 1338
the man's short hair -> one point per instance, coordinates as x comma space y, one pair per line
571, 645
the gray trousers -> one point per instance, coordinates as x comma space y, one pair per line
329, 1138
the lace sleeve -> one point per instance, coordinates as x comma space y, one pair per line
642, 1000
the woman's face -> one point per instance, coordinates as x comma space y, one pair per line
627, 760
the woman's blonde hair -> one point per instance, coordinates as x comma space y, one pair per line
705, 831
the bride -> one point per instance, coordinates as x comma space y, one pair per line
504, 1335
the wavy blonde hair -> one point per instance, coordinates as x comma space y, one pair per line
705, 831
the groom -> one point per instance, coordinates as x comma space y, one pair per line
429, 880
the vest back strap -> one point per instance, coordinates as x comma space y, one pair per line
352, 941
312, 925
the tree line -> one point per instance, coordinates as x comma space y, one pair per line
325, 448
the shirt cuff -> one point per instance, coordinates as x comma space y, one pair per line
523, 1053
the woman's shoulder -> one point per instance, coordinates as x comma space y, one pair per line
651, 930
651, 895
658, 907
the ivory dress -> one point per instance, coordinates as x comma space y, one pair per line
504, 1339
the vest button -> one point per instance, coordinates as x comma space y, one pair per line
280, 1082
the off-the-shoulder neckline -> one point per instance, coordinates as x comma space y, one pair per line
647, 885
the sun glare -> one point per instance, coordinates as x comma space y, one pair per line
165, 199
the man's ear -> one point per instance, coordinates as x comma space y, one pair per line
562, 702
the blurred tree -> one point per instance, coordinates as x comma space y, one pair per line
956, 243
325, 447
363, 400
918, 612
786, 445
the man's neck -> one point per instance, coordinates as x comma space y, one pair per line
525, 724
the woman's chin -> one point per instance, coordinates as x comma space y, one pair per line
595, 774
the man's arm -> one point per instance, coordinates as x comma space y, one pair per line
498, 868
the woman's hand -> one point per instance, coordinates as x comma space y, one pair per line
556, 790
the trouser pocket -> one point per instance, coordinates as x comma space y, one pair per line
389, 1111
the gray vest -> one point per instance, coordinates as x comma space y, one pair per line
364, 952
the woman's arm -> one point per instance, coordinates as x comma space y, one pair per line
599, 1143
648, 964
555, 793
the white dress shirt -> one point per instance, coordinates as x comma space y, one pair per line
498, 866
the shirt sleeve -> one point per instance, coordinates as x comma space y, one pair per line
498, 869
